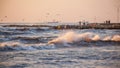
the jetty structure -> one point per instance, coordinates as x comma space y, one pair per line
80, 25
90, 26
86, 25
105, 25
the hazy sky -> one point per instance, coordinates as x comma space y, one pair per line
61, 10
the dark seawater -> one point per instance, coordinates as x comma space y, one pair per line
38, 47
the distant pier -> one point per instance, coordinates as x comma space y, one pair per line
79, 26
86, 25
90, 26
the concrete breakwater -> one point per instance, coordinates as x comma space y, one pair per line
90, 26
86, 26
16, 25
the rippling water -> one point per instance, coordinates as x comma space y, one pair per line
22, 47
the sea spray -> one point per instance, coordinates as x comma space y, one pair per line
96, 38
71, 37
107, 38
116, 38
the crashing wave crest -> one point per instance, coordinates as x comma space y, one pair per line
71, 37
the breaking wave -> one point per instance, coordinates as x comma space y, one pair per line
72, 37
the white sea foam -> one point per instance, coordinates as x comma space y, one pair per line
71, 37
116, 38
107, 38
9, 44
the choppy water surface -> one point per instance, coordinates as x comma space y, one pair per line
36, 47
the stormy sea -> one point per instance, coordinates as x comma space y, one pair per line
42, 47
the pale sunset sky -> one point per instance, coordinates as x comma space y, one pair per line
60, 10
